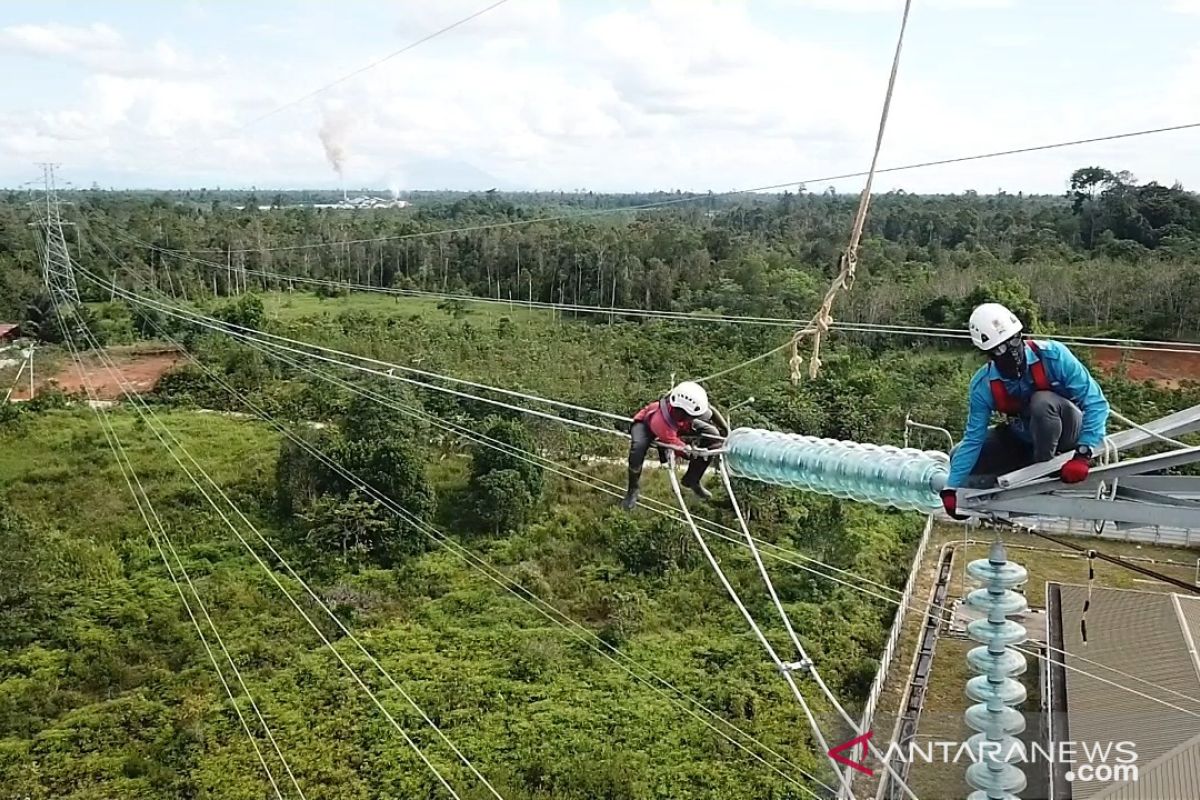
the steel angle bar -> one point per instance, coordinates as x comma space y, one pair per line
1185, 486
1134, 466
1172, 425
1085, 508
1033, 471
1177, 424
1144, 496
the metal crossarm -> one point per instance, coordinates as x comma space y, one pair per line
1137, 496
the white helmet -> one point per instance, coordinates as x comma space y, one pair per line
992, 324
690, 397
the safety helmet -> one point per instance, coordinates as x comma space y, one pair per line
690, 397
991, 324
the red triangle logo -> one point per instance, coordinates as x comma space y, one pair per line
836, 753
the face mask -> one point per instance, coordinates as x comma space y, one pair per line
1009, 358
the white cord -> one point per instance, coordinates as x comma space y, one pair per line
784, 669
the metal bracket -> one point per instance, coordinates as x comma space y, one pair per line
803, 665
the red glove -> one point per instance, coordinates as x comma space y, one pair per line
950, 503
1076, 470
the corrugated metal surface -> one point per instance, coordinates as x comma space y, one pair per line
1174, 776
1139, 633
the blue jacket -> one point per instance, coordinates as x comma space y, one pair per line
1067, 376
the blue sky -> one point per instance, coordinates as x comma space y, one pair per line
568, 94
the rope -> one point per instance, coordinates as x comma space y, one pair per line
490, 572
1144, 429
787, 623
848, 263
784, 668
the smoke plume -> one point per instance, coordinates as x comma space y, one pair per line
334, 130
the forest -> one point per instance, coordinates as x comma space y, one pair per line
1111, 256
572, 650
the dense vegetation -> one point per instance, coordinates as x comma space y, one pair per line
105, 690
1112, 255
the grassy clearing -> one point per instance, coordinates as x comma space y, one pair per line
300, 304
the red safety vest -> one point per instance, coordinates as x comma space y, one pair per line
662, 422
1007, 404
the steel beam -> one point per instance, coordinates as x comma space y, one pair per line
1033, 471
1084, 508
1135, 466
1143, 496
1172, 425
1186, 486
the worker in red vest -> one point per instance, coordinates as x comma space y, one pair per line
677, 421
1051, 403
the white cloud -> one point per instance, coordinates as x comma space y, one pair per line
101, 48
1185, 6
665, 94
897, 6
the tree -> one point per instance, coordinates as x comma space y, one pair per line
1008, 292
246, 311
368, 419
487, 459
357, 528
649, 549
502, 501
396, 469
300, 477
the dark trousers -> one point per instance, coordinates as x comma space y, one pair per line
640, 441
1054, 425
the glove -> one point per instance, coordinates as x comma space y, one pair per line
1076, 470
950, 503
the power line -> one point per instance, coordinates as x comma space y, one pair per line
275, 350
250, 339
143, 502
490, 572
914, 331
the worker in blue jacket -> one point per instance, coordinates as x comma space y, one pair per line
1051, 403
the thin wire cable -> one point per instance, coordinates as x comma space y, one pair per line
944, 610
784, 669
800, 649
706, 196
489, 571
158, 428
273, 350
368, 370
250, 337
1099, 342
109, 436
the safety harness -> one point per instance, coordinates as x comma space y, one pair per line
1007, 404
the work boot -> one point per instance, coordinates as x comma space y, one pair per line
699, 490
631, 493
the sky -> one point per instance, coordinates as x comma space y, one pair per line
598, 95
